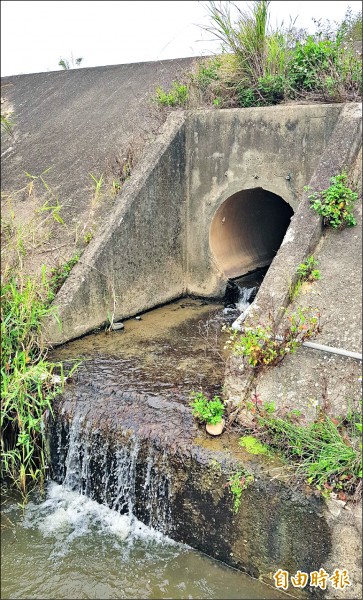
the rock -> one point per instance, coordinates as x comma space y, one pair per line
138, 318
117, 326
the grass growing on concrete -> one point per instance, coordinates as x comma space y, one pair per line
306, 271
327, 453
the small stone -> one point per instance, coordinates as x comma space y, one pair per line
138, 318
117, 326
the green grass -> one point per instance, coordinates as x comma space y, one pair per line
327, 453
28, 382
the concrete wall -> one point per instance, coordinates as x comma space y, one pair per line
137, 262
158, 241
176, 479
274, 148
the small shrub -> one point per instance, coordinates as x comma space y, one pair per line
238, 482
207, 411
177, 96
335, 204
307, 272
260, 346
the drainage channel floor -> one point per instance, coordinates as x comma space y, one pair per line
171, 351
69, 546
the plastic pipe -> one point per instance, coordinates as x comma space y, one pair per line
329, 349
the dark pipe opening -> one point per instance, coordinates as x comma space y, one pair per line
247, 231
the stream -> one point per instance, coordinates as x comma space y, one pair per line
68, 545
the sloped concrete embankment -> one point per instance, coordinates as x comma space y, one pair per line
136, 263
162, 239
311, 380
114, 447
67, 126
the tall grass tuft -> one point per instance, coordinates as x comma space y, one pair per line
28, 383
328, 452
262, 65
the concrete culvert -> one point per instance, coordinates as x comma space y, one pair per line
247, 230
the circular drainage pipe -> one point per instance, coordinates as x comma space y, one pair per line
247, 230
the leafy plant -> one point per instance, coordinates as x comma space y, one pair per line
238, 482
177, 96
207, 411
260, 346
335, 204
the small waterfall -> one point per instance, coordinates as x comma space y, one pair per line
129, 476
245, 297
241, 292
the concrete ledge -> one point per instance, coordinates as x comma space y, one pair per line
175, 479
305, 229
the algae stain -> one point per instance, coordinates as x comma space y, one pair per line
253, 445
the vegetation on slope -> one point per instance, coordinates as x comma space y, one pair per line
261, 66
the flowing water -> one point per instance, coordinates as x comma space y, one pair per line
71, 546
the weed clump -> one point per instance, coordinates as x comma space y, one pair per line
327, 453
260, 346
335, 204
178, 95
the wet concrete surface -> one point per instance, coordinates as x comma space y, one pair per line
169, 352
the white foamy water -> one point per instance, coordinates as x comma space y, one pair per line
244, 299
66, 515
71, 547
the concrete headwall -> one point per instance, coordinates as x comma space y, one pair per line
275, 149
137, 261
160, 241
